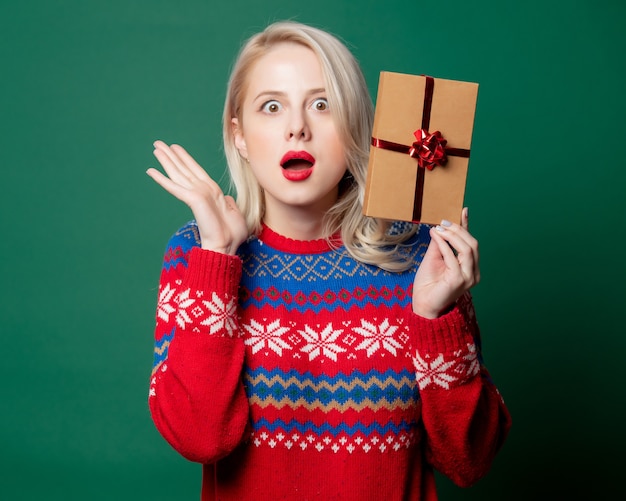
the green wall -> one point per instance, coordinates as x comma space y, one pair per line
85, 88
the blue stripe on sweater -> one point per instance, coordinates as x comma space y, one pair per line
335, 431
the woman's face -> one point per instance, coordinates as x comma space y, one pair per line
287, 133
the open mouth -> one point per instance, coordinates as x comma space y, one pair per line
297, 160
297, 165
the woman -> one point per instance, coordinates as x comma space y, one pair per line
304, 351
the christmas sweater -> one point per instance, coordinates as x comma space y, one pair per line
292, 371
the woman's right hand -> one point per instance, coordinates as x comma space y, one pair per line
221, 225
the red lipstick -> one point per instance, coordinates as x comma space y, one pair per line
297, 165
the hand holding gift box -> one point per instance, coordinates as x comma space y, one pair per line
420, 148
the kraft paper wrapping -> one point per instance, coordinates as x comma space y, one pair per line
392, 176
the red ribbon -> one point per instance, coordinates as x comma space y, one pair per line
430, 149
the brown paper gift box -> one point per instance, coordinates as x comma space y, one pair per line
392, 177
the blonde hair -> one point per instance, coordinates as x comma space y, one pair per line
366, 239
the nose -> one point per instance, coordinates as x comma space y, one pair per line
298, 126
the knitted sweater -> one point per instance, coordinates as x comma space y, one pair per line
292, 371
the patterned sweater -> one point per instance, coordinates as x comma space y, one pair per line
292, 371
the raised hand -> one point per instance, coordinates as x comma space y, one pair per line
449, 268
221, 225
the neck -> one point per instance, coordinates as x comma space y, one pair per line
300, 219
298, 225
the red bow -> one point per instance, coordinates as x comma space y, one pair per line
429, 149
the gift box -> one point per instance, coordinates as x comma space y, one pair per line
420, 149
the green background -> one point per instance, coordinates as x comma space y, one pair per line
86, 87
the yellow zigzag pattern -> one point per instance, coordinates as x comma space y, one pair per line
326, 385
341, 407
316, 386
159, 350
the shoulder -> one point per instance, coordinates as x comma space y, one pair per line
411, 241
410, 233
186, 238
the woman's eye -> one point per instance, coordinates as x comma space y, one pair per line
272, 107
320, 104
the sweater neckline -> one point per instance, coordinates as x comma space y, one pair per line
286, 244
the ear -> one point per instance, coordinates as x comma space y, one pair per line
240, 142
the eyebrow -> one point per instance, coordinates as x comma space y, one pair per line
278, 93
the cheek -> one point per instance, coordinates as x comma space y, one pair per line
332, 138
335, 148
260, 143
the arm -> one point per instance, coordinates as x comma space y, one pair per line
196, 394
197, 400
464, 416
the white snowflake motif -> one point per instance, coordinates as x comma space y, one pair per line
473, 364
164, 304
437, 372
269, 334
221, 316
377, 336
184, 303
322, 342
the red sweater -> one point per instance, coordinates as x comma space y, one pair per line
292, 371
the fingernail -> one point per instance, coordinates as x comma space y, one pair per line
440, 229
446, 223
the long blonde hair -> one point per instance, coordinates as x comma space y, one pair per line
366, 239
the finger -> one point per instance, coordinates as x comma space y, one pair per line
445, 250
172, 166
230, 203
186, 170
191, 163
465, 218
166, 150
474, 243
170, 161
458, 236
466, 248
167, 184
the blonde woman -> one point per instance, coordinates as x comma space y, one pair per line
304, 351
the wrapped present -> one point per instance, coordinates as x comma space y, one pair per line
420, 148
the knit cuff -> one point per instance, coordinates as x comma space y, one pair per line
208, 269
448, 333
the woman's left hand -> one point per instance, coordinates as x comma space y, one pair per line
448, 270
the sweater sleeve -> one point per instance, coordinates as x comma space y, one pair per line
197, 400
464, 416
